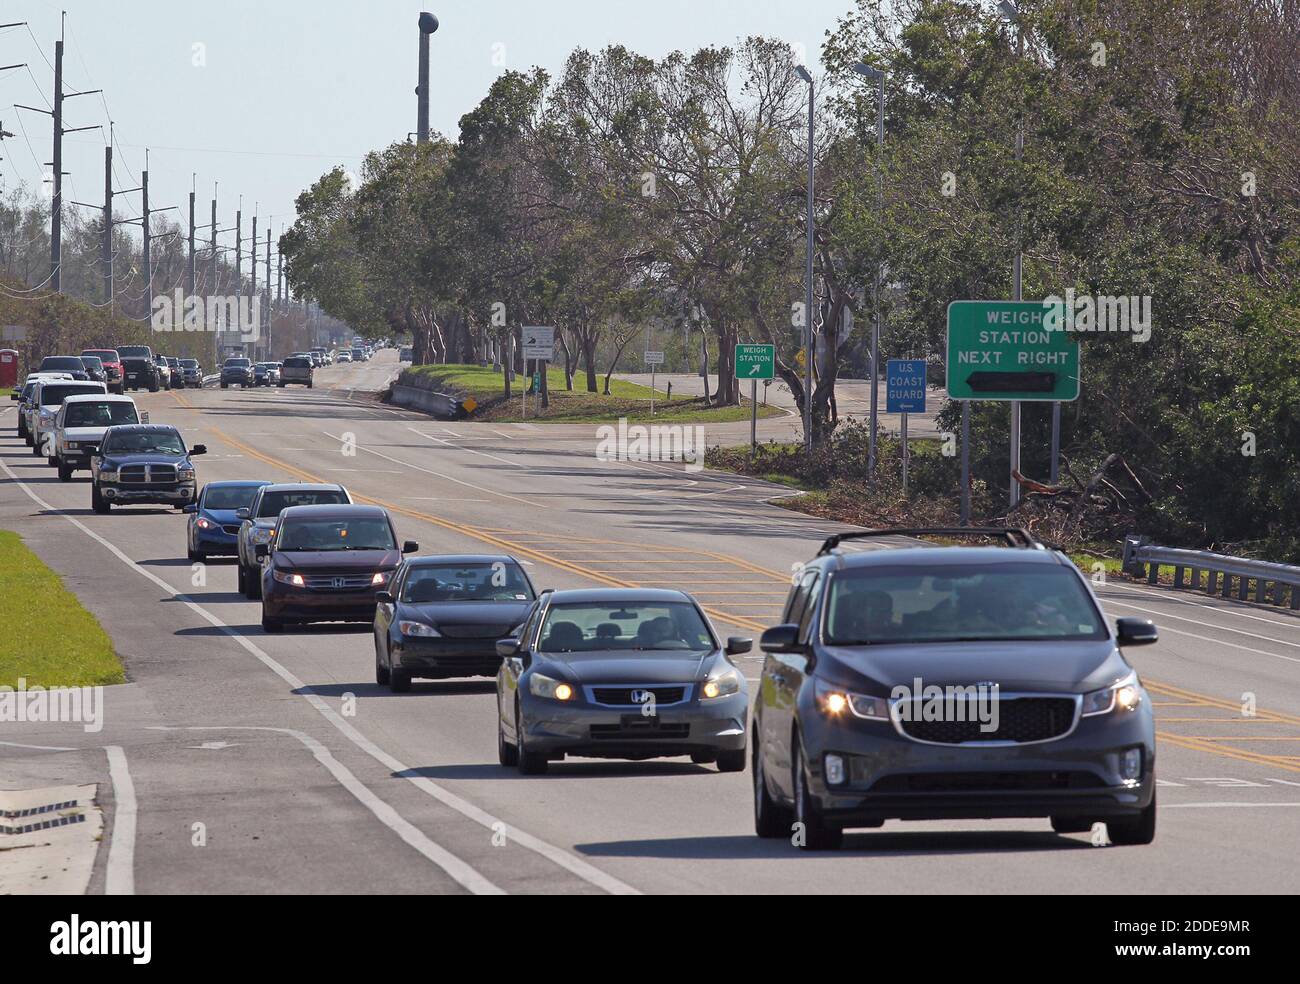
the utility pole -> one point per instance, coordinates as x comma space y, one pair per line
267, 289
108, 226
428, 24
239, 253
190, 272
808, 296
56, 205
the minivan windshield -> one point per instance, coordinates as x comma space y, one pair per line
632, 625
958, 603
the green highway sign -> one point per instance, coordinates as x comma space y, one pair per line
755, 361
1000, 350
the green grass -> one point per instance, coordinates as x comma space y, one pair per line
625, 399
48, 638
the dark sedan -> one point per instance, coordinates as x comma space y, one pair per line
623, 673
947, 682
326, 563
442, 617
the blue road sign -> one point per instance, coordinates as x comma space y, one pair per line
905, 386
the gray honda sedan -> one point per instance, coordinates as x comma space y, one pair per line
947, 682
622, 673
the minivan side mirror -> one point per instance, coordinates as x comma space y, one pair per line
738, 644
781, 639
1130, 631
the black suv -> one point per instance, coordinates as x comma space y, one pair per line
142, 463
946, 682
237, 371
138, 368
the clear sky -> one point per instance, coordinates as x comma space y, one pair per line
265, 96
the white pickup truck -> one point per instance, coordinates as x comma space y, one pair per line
80, 425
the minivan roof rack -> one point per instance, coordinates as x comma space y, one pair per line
1015, 536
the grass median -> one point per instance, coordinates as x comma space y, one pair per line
576, 406
46, 636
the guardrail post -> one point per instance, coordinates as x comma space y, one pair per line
1227, 586
1260, 586
1178, 577
1195, 583
1243, 589
1295, 597
1153, 571
1211, 581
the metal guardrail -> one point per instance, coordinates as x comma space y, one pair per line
441, 405
1144, 559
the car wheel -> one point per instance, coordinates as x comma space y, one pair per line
309, 384
381, 670
281, 385
270, 624
253, 579
195, 555
731, 761
1140, 829
399, 681
153, 387
241, 579
38, 449
98, 502
818, 835
22, 426
65, 472
52, 461
225, 385
530, 763
507, 752
1070, 825
771, 819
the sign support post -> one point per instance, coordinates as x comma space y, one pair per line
905, 393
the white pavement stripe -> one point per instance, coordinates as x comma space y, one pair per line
1229, 606
458, 447
1209, 625
587, 872
394, 821
119, 875
430, 471
1206, 806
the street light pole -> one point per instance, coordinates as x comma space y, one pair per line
873, 73
1012, 13
808, 294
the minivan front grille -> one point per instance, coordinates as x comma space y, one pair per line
1020, 720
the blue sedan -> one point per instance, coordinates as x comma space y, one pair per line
213, 527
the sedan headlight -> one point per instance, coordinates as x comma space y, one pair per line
1125, 695
540, 685
294, 579
834, 701
204, 524
418, 629
722, 684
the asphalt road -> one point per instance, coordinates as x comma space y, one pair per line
307, 777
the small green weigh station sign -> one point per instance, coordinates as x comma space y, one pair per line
1000, 350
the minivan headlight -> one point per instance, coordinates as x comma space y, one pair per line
1124, 695
834, 701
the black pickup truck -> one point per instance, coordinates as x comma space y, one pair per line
138, 368
142, 463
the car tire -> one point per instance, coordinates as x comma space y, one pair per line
280, 384
37, 449
507, 752
195, 556
309, 384
399, 681
731, 761
225, 385
1071, 825
271, 625
240, 579
771, 819
253, 584
22, 426
97, 502
52, 461
1134, 831
153, 387
530, 763
818, 835
382, 674
65, 472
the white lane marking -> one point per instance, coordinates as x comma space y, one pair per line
508, 437
1203, 806
47, 748
1210, 625
465, 875
1227, 609
119, 874
458, 447
560, 857
430, 471
440, 498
